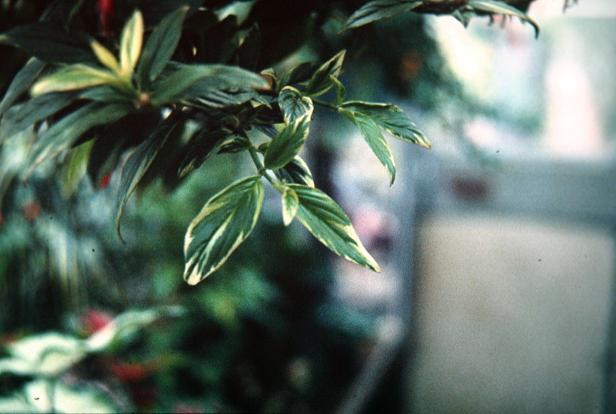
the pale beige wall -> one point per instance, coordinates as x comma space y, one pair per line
511, 316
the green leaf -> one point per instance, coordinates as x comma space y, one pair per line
105, 57
130, 43
71, 78
200, 148
69, 129
378, 10
294, 105
287, 144
320, 82
32, 111
49, 43
137, 165
340, 90
178, 85
75, 167
108, 94
127, 324
373, 136
290, 205
222, 225
391, 118
233, 145
21, 83
295, 172
161, 44
324, 218
500, 7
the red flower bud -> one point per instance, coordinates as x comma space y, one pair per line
105, 12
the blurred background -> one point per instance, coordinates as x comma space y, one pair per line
498, 245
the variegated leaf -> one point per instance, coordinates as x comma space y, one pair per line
223, 224
391, 118
295, 172
130, 43
287, 144
294, 105
373, 136
105, 57
71, 78
331, 226
320, 82
290, 205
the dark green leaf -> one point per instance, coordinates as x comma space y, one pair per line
137, 165
160, 45
21, 83
35, 110
324, 218
178, 85
233, 145
320, 82
378, 10
199, 149
49, 43
373, 136
222, 225
69, 129
294, 105
295, 172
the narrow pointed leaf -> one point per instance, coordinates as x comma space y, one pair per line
391, 118
223, 224
23, 116
287, 144
137, 165
21, 83
290, 205
71, 78
49, 43
320, 82
295, 172
130, 43
104, 56
340, 90
500, 7
75, 167
293, 104
373, 136
161, 44
69, 129
379, 10
178, 84
326, 220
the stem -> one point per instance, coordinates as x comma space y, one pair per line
260, 167
325, 104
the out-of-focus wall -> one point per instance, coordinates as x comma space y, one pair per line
511, 315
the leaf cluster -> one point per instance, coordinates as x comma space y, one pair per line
181, 82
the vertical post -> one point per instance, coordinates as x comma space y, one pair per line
609, 380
